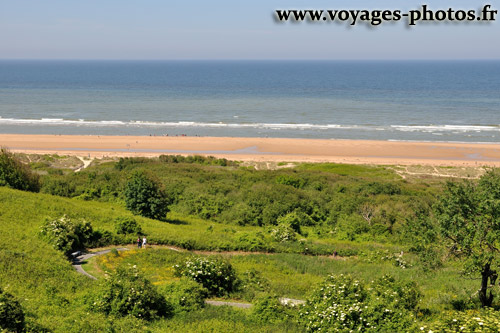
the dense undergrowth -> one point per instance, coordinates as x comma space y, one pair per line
277, 233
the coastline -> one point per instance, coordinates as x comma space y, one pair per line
261, 149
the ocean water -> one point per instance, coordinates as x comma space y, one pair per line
378, 100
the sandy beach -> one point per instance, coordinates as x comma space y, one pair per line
261, 149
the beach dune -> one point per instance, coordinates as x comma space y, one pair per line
261, 149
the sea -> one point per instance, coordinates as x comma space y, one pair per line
452, 101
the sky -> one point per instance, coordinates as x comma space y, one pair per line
232, 29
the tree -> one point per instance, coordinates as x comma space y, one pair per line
469, 218
15, 174
144, 197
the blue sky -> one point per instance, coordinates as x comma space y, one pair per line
221, 29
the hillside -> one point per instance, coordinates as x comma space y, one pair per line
360, 224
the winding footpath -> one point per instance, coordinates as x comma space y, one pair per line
80, 259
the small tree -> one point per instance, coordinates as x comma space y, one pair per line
15, 174
469, 217
144, 197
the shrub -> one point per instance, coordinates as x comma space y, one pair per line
251, 241
67, 235
144, 197
15, 174
291, 181
126, 292
283, 233
215, 274
295, 220
11, 313
250, 284
126, 226
485, 320
185, 295
269, 309
342, 303
58, 187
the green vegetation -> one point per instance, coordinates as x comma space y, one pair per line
145, 198
252, 236
11, 313
343, 304
469, 217
127, 225
126, 292
15, 174
67, 236
216, 275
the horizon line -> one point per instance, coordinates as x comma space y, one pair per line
234, 59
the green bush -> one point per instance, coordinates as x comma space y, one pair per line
251, 283
126, 292
127, 225
11, 313
144, 197
58, 187
291, 181
251, 241
342, 303
67, 235
185, 295
215, 274
269, 309
15, 174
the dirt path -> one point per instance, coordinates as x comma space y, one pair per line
79, 260
85, 162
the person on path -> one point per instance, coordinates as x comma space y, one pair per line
139, 242
144, 242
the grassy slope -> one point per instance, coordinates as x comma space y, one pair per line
52, 292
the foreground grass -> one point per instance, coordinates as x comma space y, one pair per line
295, 275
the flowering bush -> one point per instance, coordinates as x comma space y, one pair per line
283, 233
377, 256
485, 320
126, 292
66, 235
215, 274
342, 303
